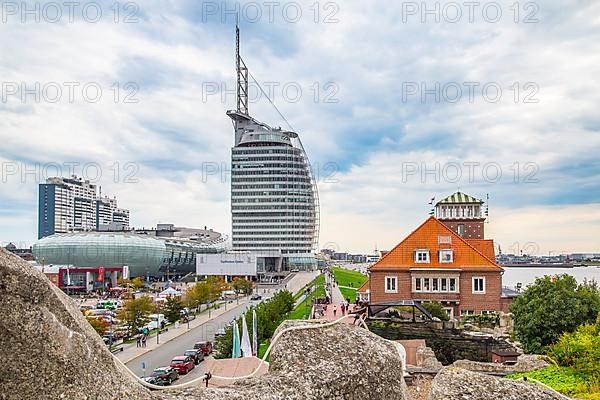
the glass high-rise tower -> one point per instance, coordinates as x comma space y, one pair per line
274, 199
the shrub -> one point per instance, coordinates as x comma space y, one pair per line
269, 314
551, 307
435, 308
579, 350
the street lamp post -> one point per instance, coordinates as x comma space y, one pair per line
158, 323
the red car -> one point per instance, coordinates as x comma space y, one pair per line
183, 364
205, 346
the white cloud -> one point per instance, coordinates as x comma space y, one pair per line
369, 132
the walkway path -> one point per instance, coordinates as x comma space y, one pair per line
336, 299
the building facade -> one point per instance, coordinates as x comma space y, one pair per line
166, 251
274, 202
67, 205
436, 262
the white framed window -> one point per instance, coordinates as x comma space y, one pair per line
391, 284
478, 285
444, 284
418, 285
452, 285
422, 256
461, 230
446, 256
466, 312
426, 287
435, 285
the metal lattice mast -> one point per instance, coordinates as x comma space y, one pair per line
242, 76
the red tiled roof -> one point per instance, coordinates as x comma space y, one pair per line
364, 287
426, 236
484, 246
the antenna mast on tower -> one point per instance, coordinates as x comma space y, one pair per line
242, 76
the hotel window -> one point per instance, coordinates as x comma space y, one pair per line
479, 285
391, 284
426, 284
446, 256
435, 285
444, 284
452, 285
422, 256
418, 284
461, 229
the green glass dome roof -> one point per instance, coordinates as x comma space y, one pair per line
143, 254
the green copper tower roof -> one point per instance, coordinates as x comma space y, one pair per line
460, 198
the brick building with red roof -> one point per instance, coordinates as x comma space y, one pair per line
446, 259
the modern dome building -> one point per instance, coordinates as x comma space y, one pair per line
143, 255
153, 252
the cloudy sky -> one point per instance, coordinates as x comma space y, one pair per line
395, 103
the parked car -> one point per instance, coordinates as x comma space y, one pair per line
256, 297
219, 333
196, 354
166, 374
205, 346
154, 380
183, 364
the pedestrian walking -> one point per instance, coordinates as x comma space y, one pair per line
207, 378
138, 340
144, 339
334, 310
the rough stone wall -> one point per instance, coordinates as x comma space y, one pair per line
454, 383
448, 344
47, 348
49, 351
525, 363
338, 362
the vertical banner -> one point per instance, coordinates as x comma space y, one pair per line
246, 346
254, 334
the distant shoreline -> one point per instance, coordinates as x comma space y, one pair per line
549, 265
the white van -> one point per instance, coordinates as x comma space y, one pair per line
156, 321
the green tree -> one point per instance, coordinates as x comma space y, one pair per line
136, 283
241, 285
135, 313
269, 314
551, 307
436, 309
100, 325
172, 307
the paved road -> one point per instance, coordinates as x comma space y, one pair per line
162, 355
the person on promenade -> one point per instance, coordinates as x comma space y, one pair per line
334, 310
144, 339
138, 340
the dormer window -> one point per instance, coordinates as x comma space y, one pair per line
446, 256
422, 256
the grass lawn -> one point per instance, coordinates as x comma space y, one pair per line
565, 381
349, 294
302, 311
345, 277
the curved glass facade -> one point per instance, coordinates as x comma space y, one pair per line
144, 255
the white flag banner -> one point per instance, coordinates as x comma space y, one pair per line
246, 346
254, 333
